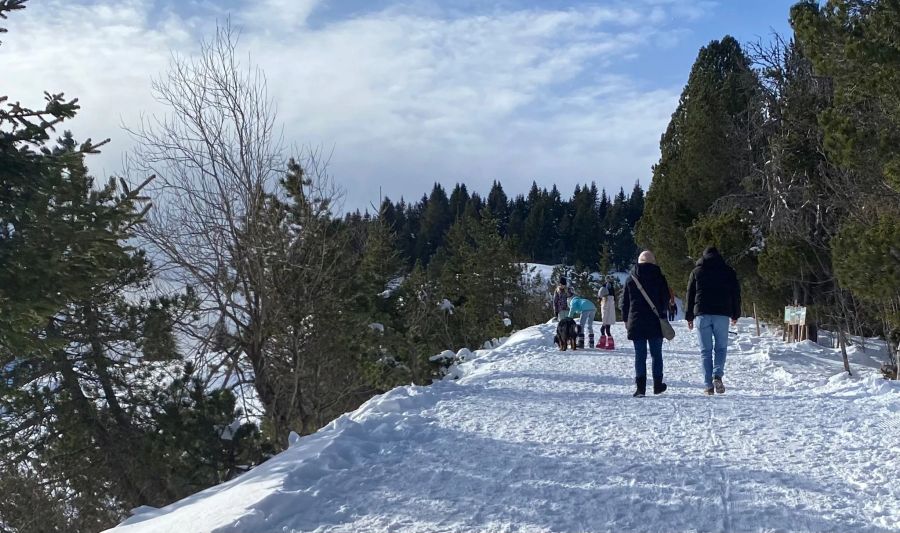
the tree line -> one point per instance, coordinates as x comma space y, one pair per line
588, 230
785, 155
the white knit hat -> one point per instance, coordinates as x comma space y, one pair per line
647, 257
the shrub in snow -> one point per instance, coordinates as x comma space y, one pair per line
464, 354
449, 362
442, 357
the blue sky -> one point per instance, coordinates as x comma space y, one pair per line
404, 93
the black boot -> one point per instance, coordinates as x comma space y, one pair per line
659, 387
641, 387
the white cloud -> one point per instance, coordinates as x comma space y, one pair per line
103, 53
405, 97
266, 15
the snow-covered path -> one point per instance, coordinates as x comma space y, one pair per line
533, 439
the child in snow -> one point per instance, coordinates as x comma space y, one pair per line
561, 299
607, 295
587, 310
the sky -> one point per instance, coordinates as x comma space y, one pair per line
402, 94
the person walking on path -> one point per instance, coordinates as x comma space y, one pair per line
673, 308
587, 310
561, 299
607, 296
713, 297
643, 323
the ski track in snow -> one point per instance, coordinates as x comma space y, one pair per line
532, 440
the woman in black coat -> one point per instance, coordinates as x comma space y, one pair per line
642, 323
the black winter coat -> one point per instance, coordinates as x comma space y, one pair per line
640, 320
713, 289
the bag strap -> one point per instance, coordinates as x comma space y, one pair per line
641, 288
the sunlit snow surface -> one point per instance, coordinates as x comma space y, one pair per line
532, 439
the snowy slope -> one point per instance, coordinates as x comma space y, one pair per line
531, 439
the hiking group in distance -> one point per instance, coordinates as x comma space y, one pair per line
648, 304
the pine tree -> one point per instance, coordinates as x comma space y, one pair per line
516, 229
474, 207
854, 44
45, 252
98, 426
480, 278
87, 361
584, 227
377, 280
499, 206
459, 198
704, 152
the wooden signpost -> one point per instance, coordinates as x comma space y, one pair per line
795, 327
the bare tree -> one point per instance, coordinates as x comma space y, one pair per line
220, 222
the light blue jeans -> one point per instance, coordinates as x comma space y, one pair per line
587, 322
713, 333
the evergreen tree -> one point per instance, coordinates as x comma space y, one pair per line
558, 223
47, 254
423, 322
499, 206
516, 228
474, 207
854, 43
704, 152
585, 227
635, 205
459, 198
377, 280
99, 427
406, 227
480, 278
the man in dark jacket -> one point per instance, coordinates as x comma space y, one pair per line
642, 322
713, 297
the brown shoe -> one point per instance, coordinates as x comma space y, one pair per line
710, 391
719, 386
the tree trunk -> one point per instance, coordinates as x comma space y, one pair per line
843, 343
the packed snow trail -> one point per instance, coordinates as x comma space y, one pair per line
533, 439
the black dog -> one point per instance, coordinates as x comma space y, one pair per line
566, 333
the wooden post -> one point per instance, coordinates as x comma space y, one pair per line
843, 344
756, 318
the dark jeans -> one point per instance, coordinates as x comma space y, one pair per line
606, 330
640, 358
